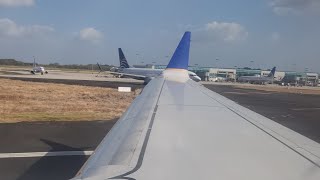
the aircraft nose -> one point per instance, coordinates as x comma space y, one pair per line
197, 78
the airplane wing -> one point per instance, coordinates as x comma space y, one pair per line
178, 129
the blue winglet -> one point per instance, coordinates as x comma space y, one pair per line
180, 58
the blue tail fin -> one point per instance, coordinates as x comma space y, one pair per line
123, 60
180, 58
271, 74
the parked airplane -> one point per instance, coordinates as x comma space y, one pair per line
37, 69
178, 129
101, 70
259, 79
142, 73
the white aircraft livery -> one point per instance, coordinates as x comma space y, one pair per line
143, 73
176, 129
37, 69
259, 80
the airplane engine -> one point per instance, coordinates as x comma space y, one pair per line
147, 80
114, 69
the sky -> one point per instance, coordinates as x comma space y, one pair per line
225, 33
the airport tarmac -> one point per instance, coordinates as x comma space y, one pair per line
76, 78
298, 112
62, 75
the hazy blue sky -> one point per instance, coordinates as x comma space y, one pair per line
282, 33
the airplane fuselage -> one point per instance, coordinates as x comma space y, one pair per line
254, 79
38, 69
151, 73
142, 71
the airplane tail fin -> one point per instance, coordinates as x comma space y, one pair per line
272, 72
177, 69
123, 60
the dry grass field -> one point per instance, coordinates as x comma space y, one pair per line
32, 101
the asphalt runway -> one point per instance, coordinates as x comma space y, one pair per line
297, 112
48, 137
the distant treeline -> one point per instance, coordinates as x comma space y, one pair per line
13, 62
79, 66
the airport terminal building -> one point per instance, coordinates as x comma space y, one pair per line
231, 74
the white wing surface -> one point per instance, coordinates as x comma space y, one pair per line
185, 131
177, 129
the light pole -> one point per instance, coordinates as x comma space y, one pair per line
34, 61
137, 54
252, 64
294, 67
196, 67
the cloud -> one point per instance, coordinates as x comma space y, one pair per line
90, 34
284, 7
9, 28
14, 3
221, 31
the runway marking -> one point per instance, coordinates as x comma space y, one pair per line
45, 154
264, 93
240, 93
303, 109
